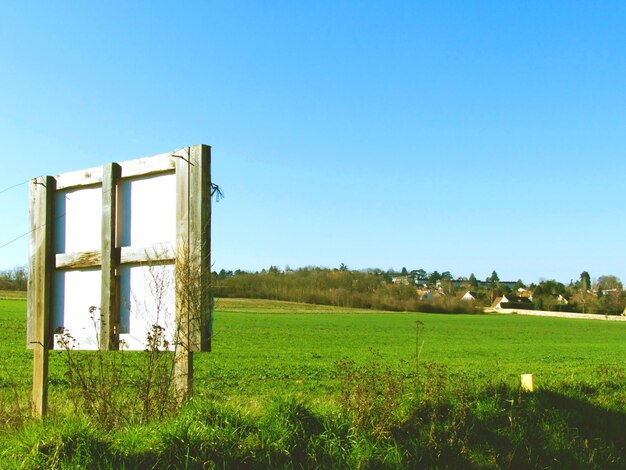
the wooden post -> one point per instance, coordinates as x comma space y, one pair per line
110, 304
200, 246
193, 265
41, 264
183, 357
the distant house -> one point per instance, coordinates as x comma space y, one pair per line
561, 300
512, 301
466, 283
469, 296
425, 295
401, 280
610, 291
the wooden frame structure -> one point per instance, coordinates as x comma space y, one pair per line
190, 255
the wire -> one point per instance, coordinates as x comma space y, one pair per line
21, 236
14, 186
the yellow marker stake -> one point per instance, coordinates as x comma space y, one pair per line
528, 383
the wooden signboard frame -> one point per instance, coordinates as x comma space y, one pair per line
190, 256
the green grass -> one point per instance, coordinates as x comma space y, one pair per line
265, 352
15, 359
12, 294
258, 354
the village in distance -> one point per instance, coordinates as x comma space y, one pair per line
419, 290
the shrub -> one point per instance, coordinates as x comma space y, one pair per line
370, 394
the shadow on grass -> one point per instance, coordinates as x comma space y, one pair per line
592, 422
554, 429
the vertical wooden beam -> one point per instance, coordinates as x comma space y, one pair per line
41, 264
110, 304
183, 356
193, 262
200, 245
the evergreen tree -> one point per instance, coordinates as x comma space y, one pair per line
585, 281
434, 277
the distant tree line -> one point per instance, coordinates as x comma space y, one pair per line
419, 290
371, 289
14, 279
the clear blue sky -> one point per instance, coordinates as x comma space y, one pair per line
459, 136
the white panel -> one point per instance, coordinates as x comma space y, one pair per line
147, 299
74, 293
148, 211
78, 220
58, 301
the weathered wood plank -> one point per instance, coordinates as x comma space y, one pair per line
162, 163
183, 373
193, 263
78, 260
200, 246
40, 278
161, 253
110, 287
87, 177
183, 357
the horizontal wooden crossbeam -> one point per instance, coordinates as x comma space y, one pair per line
162, 163
162, 254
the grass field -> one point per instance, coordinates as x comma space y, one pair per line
12, 294
264, 351
256, 351
262, 348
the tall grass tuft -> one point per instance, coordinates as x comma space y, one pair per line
370, 394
